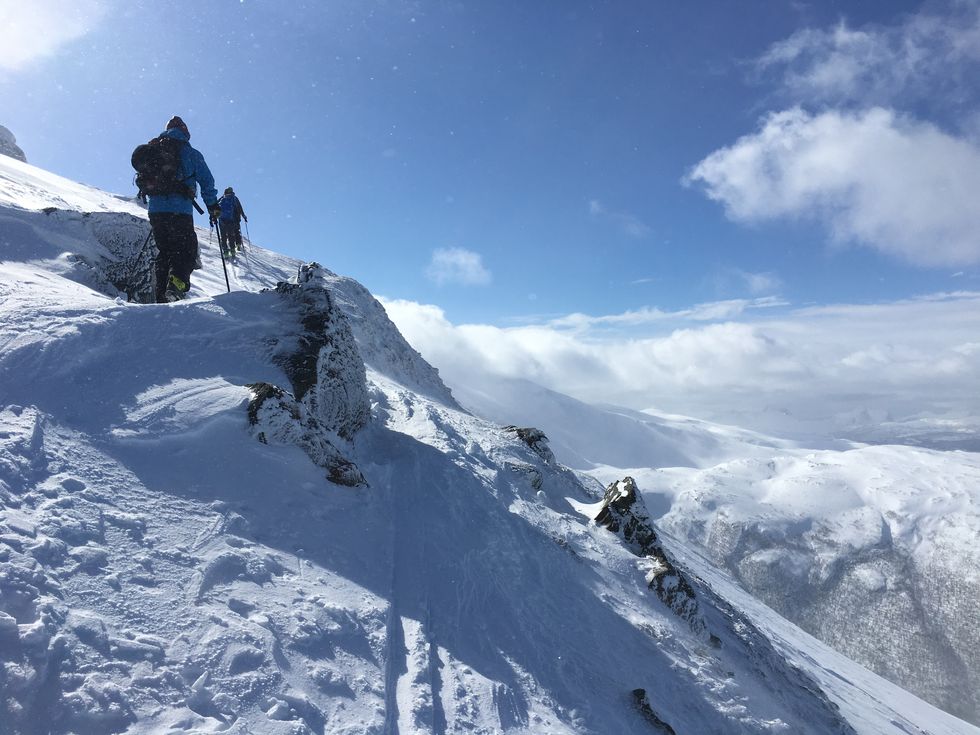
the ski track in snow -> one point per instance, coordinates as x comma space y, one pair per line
164, 571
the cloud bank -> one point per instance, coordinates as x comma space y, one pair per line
797, 372
30, 31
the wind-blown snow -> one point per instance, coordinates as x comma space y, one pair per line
163, 569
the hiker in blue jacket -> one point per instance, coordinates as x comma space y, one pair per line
230, 222
172, 217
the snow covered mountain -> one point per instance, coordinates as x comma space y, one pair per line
872, 549
263, 512
9, 147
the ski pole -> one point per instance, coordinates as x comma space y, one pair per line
248, 236
147, 240
224, 267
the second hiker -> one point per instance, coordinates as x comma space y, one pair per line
230, 222
175, 173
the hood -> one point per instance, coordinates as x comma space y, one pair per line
176, 133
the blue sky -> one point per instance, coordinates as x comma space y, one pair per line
507, 161
756, 212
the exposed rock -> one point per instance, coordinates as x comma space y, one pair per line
329, 402
276, 417
131, 267
125, 261
536, 440
529, 471
322, 362
642, 702
9, 147
624, 513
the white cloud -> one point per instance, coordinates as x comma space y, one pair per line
730, 280
628, 224
710, 311
759, 283
799, 367
34, 30
457, 265
903, 187
918, 57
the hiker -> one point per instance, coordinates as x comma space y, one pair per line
169, 185
230, 223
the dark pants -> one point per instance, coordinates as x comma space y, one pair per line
230, 232
177, 248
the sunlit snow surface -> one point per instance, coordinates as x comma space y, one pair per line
873, 549
163, 571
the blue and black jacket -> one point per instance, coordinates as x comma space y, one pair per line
194, 172
231, 209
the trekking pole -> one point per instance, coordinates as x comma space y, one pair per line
147, 240
221, 252
248, 236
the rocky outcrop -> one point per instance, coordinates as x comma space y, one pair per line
536, 440
624, 513
130, 265
115, 252
276, 417
328, 403
9, 147
322, 361
642, 703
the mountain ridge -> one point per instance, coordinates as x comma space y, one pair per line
166, 570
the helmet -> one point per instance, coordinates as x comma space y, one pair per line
229, 190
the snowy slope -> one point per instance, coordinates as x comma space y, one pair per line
871, 549
588, 436
175, 558
887, 531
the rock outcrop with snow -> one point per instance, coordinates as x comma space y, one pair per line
9, 147
623, 512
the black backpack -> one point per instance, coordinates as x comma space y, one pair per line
157, 164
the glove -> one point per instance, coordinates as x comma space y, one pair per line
215, 211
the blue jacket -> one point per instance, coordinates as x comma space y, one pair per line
194, 171
231, 209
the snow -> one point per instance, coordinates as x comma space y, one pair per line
168, 566
857, 544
